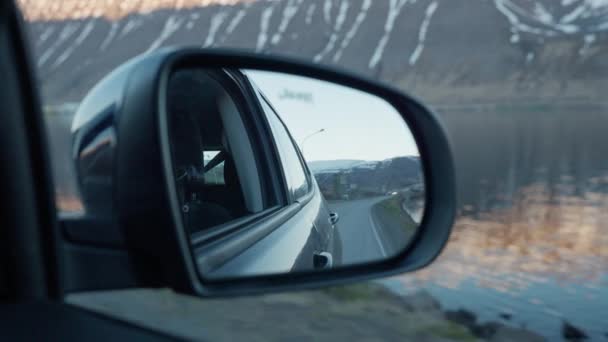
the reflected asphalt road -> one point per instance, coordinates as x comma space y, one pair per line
362, 240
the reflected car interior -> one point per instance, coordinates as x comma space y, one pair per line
216, 171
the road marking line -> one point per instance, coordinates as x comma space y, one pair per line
373, 226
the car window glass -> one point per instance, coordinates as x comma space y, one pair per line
214, 175
295, 171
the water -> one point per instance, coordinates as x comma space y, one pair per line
530, 245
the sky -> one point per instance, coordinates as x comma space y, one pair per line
356, 125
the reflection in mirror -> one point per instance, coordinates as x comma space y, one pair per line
278, 173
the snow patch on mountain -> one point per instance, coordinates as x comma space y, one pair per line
423, 30
171, 26
335, 33
394, 10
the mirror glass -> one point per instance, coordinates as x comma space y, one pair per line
278, 173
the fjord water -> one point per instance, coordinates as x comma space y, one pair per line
530, 244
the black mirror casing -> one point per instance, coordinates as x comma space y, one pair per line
146, 208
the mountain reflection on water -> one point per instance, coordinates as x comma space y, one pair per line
539, 264
530, 245
565, 241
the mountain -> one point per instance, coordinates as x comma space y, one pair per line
371, 178
330, 165
444, 51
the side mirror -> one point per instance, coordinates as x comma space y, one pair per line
228, 170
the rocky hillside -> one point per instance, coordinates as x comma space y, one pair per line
364, 179
445, 51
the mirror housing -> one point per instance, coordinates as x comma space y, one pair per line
130, 106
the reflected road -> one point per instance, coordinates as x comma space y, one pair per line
361, 241
363, 238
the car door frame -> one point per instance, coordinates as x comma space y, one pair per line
30, 267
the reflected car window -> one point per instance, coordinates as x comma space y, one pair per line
215, 175
295, 172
